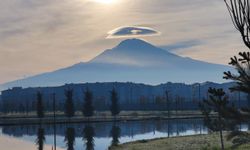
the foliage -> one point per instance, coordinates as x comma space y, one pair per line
39, 105
88, 108
239, 11
114, 108
69, 103
242, 65
218, 103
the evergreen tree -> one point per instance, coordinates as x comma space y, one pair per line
114, 108
69, 103
40, 138
88, 137
239, 11
39, 105
88, 109
70, 138
242, 65
218, 103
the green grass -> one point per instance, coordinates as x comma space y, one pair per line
196, 142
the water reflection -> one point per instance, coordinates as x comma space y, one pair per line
115, 133
88, 137
40, 138
70, 138
100, 136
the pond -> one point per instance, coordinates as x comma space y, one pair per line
99, 136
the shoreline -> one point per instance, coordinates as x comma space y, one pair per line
100, 116
63, 120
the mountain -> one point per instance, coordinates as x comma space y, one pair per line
132, 60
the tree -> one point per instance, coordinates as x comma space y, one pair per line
88, 109
240, 14
69, 103
114, 108
242, 79
39, 105
88, 137
40, 138
70, 138
218, 103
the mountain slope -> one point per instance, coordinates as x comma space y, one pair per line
132, 60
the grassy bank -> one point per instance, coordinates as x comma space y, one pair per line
12, 119
105, 113
196, 142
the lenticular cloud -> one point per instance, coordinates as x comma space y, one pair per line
132, 31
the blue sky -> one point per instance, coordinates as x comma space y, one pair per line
41, 36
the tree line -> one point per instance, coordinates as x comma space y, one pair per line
87, 106
166, 101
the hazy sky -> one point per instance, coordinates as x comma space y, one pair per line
38, 36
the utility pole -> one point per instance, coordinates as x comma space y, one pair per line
167, 102
54, 109
194, 91
199, 91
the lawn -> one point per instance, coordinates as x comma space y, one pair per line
196, 142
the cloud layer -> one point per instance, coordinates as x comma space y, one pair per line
131, 32
41, 36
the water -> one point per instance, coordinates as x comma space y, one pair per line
101, 135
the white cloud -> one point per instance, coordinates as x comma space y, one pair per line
132, 31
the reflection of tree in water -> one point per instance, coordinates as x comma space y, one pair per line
170, 128
115, 133
181, 127
177, 127
40, 138
159, 125
196, 127
88, 137
146, 127
70, 138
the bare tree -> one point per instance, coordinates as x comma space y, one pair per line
240, 14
